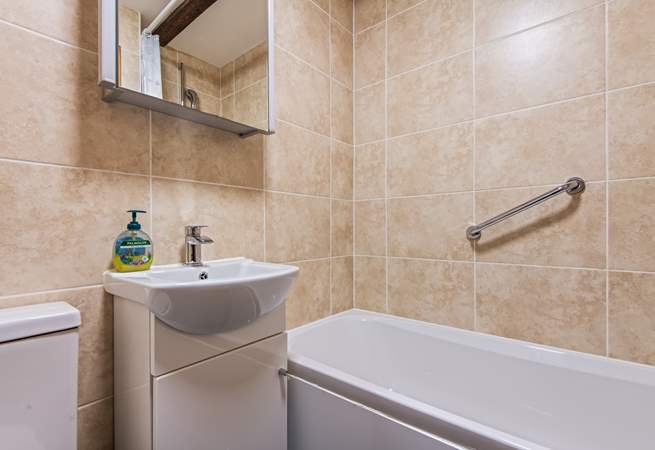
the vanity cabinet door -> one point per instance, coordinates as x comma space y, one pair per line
235, 401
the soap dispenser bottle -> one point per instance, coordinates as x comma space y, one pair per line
133, 247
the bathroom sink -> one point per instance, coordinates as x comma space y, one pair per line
220, 296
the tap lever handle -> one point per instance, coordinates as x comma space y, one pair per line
193, 230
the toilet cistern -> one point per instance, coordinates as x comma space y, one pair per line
194, 242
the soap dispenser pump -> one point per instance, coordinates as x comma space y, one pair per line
133, 247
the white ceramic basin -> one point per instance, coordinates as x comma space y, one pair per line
221, 296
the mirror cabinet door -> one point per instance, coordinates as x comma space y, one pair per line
210, 56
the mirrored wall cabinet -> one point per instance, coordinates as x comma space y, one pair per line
208, 61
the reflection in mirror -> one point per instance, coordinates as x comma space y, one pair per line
209, 55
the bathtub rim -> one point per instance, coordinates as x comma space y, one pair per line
435, 420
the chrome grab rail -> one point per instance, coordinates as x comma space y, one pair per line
573, 186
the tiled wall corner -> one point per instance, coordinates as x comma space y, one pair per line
464, 109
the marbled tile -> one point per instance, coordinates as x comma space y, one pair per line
342, 113
631, 312
431, 227
130, 76
342, 284
555, 61
67, 220
342, 227
432, 291
369, 114
63, 119
370, 283
182, 149
95, 426
309, 298
565, 231
96, 350
252, 66
168, 58
342, 170
370, 171
432, 162
542, 146
298, 161
433, 96
129, 29
559, 307
200, 75
72, 21
234, 219
251, 105
297, 227
370, 53
342, 55
303, 29
342, 11
631, 225
396, 6
228, 79
495, 18
631, 45
631, 114
303, 94
434, 29
370, 230
368, 13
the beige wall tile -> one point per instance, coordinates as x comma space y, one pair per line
251, 105
130, 77
67, 219
298, 161
342, 284
432, 291
323, 4
555, 61
129, 29
72, 21
297, 227
342, 113
631, 114
631, 45
370, 51
435, 29
96, 351
228, 79
430, 227
631, 312
181, 149
252, 66
368, 13
342, 170
342, 227
370, 232
631, 225
434, 96
495, 18
234, 219
396, 6
370, 171
559, 307
303, 94
63, 119
200, 75
342, 55
95, 426
168, 58
309, 298
566, 231
369, 114
432, 162
542, 146
303, 29
342, 11
370, 283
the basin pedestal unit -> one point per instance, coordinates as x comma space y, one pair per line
216, 389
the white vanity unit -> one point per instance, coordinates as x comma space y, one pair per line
198, 352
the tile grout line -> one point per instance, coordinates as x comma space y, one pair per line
51, 291
386, 154
47, 37
331, 228
475, 170
354, 172
607, 186
312, 66
150, 179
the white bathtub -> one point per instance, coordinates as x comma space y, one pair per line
449, 388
